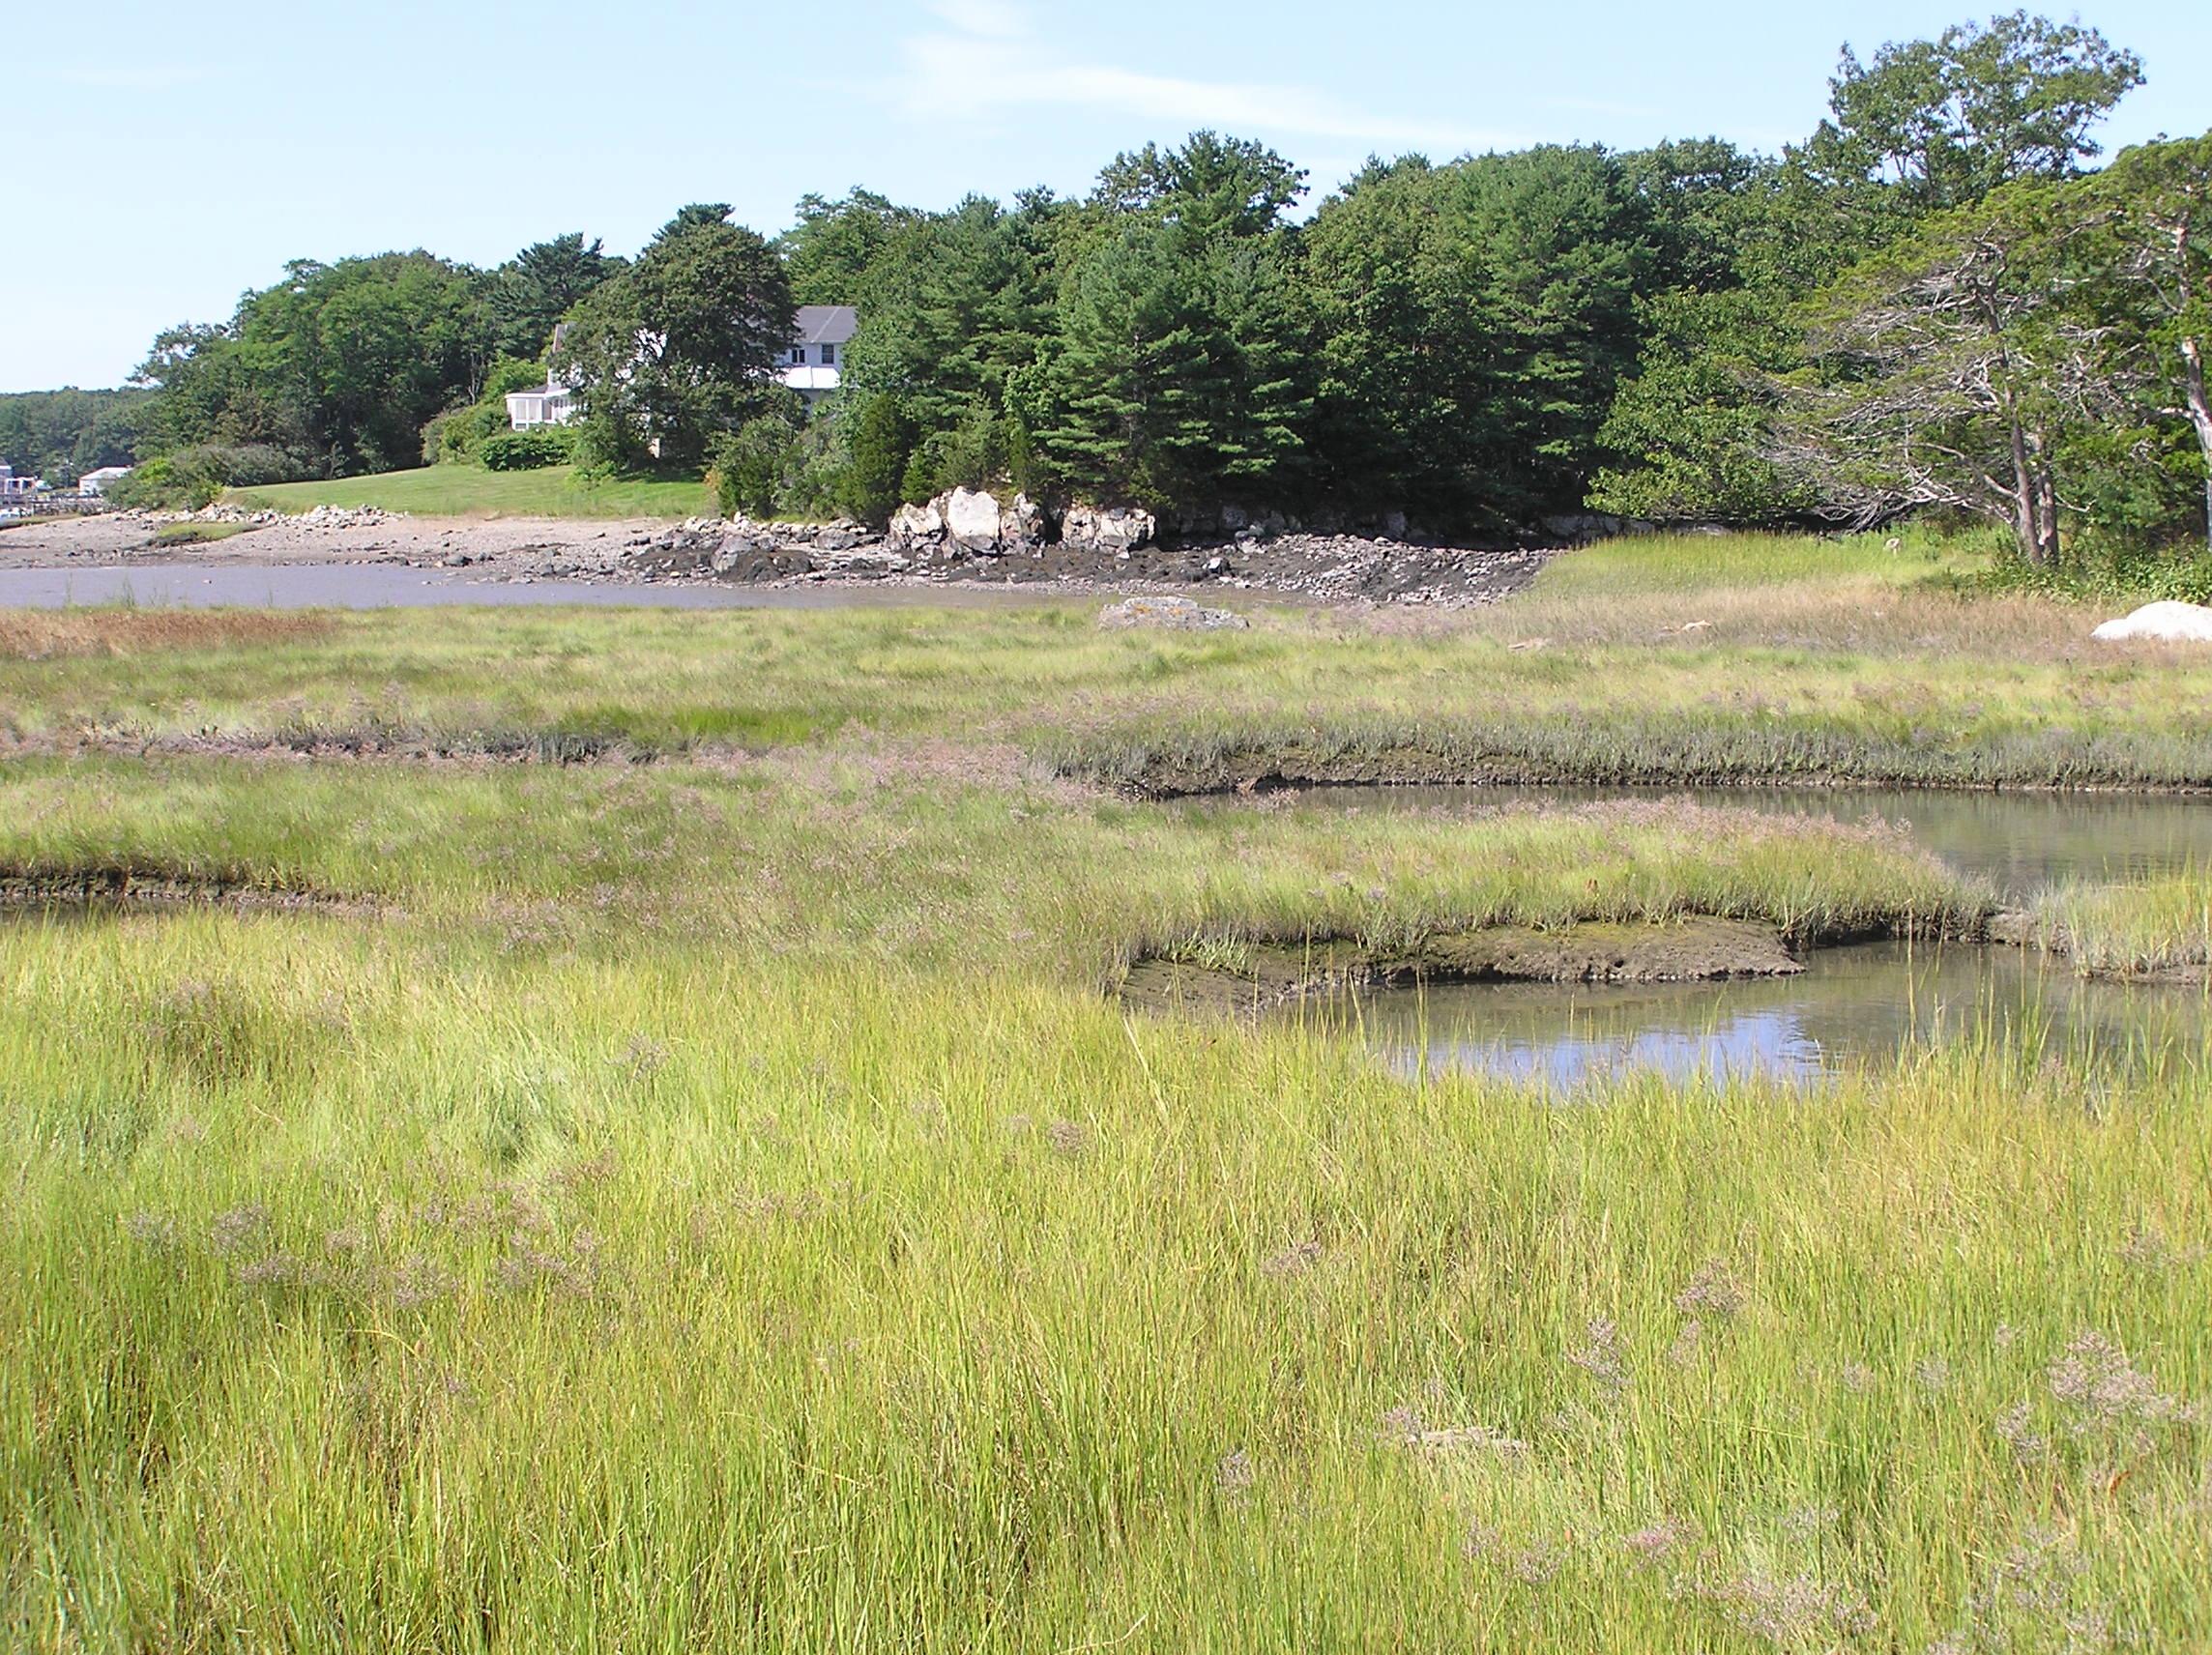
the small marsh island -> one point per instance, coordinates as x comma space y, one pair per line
1436, 926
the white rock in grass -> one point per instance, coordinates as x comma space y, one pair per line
2175, 622
1178, 613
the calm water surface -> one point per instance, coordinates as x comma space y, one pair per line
1853, 1007
396, 586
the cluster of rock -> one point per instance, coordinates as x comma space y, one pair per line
971, 535
968, 522
317, 517
205, 514
740, 549
346, 517
1178, 614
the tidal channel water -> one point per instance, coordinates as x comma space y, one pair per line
1858, 1007
397, 586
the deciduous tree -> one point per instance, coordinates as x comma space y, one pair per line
679, 348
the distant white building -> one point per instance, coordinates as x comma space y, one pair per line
813, 366
13, 487
549, 404
97, 482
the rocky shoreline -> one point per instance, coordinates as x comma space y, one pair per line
971, 536
962, 538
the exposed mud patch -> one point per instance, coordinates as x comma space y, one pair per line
1270, 974
112, 889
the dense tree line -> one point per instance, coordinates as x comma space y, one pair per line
1933, 301
358, 365
60, 435
1688, 331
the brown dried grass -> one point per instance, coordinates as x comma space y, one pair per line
35, 635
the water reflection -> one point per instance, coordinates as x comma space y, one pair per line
1853, 1008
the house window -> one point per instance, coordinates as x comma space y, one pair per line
829, 355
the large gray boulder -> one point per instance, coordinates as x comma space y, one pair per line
737, 545
917, 526
1113, 531
1021, 525
971, 520
2173, 623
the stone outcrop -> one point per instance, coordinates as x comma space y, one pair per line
975, 523
1178, 613
971, 520
1113, 531
916, 525
968, 522
2173, 623
1022, 526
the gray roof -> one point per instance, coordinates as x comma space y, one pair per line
827, 324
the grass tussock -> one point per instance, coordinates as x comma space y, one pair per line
199, 533
948, 856
2155, 928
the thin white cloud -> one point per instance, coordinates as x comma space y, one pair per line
987, 57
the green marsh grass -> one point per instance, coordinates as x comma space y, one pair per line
363, 1291
713, 1203
2159, 927
1808, 679
198, 533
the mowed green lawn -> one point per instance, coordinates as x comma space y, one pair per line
466, 490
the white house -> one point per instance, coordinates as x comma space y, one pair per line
813, 366
97, 481
549, 404
13, 487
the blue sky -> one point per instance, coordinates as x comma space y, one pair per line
210, 142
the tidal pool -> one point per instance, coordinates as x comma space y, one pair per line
1857, 1006
1853, 1007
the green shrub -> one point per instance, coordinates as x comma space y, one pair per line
970, 454
456, 437
748, 465
2100, 569
152, 483
511, 374
881, 441
533, 449
193, 477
